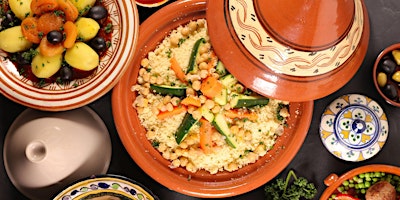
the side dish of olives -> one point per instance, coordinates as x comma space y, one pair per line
387, 74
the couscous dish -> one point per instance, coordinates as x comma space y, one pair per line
197, 114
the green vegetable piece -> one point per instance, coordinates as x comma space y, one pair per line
192, 67
187, 123
245, 101
220, 69
222, 127
229, 81
168, 90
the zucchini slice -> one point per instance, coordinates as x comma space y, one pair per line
168, 90
245, 101
222, 127
220, 69
228, 81
187, 123
192, 67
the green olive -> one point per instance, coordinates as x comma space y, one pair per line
396, 76
382, 79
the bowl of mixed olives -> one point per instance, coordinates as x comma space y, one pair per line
63, 54
386, 74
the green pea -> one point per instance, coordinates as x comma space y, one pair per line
345, 183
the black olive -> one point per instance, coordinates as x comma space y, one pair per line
388, 65
22, 60
97, 12
98, 44
54, 37
9, 20
390, 91
66, 73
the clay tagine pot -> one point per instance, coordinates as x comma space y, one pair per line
296, 51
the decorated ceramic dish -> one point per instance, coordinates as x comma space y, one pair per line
46, 151
354, 127
283, 49
201, 183
106, 187
19, 85
150, 3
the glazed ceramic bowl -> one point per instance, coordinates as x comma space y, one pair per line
201, 183
333, 181
106, 187
385, 76
123, 16
291, 51
46, 151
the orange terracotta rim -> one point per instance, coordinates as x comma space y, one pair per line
200, 184
333, 182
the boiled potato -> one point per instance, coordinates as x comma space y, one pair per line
83, 5
21, 8
12, 40
82, 56
45, 67
87, 28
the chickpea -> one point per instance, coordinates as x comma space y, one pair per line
203, 49
203, 74
234, 129
166, 99
248, 136
183, 161
203, 99
196, 85
166, 155
142, 71
162, 147
232, 167
252, 157
175, 101
201, 23
155, 111
192, 26
216, 109
153, 79
174, 41
159, 80
169, 107
140, 80
203, 65
185, 31
145, 62
209, 104
260, 149
145, 91
196, 114
190, 91
175, 163
146, 77
151, 134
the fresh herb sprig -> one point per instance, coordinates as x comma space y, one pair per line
287, 189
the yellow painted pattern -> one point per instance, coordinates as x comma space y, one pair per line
361, 157
325, 134
365, 138
345, 134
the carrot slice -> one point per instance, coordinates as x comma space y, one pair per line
48, 49
71, 32
180, 74
210, 87
42, 6
205, 136
241, 115
49, 22
175, 111
191, 100
30, 29
70, 11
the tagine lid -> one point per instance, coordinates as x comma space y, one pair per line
283, 49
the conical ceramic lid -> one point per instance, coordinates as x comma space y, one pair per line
290, 50
44, 151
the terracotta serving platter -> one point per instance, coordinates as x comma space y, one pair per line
79, 92
201, 183
273, 59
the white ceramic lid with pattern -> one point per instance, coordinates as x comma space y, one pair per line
354, 127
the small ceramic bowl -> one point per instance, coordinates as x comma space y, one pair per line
56, 96
386, 74
202, 183
333, 181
